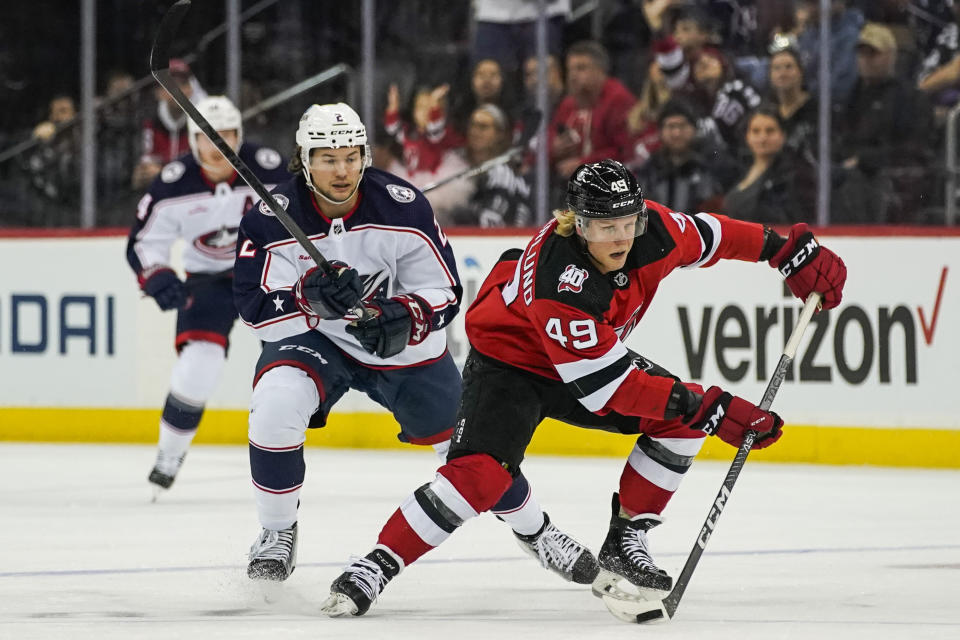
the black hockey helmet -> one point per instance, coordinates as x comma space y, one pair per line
606, 190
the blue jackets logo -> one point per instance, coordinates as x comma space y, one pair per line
401, 194
281, 199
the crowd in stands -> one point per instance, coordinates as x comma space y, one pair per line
712, 103
725, 113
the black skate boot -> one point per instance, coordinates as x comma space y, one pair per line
164, 472
560, 553
627, 572
273, 555
361, 583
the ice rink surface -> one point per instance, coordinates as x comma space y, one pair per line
800, 552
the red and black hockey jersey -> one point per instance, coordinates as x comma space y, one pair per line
552, 312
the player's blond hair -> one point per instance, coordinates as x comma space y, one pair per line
566, 222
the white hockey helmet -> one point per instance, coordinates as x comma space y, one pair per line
222, 116
331, 126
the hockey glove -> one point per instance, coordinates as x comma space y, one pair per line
808, 267
395, 323
328, 293
163, 285
730, 417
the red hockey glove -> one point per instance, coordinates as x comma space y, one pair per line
163, 285
328, 293
807, 267
396, 322
730, 417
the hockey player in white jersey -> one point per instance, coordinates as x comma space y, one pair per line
201, 199
387, 253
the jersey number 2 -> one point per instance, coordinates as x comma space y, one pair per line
584, 330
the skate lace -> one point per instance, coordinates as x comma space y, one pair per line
558, 549
273, 545
168, 464
367, 575
634, 543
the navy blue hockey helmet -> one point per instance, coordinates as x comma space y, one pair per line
605, 190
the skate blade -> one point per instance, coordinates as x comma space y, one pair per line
156, 492
637, 611
611, 585
338, 605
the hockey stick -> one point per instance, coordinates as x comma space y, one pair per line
531, 122
160, 68
641, 611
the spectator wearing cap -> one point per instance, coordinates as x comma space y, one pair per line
679, 173
885, 124
164, 135
590, 123
778, 187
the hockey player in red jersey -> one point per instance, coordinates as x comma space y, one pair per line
390, 255
547, 331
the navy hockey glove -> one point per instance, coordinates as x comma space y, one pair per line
730, 417
328, 293
396, 322
163, 285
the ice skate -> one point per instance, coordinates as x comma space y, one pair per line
361, 583
164, 472
273, 555
560, 553
627, 572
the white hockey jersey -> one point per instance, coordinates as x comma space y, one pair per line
391, 238
182, 203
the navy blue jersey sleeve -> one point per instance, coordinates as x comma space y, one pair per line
263, 277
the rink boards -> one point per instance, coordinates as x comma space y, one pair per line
84, 358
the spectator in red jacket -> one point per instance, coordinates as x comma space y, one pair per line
591, 122
428, 136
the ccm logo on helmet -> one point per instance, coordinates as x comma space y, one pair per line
618, 205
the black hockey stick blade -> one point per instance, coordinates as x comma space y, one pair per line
644, 611
160, 68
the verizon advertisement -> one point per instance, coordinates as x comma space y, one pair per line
76, 332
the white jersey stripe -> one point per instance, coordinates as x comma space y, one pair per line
449, 495
656, 473
570, 371
706, 253
598, 399
421, 523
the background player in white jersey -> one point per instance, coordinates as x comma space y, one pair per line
388, 253
546, 334
199, 198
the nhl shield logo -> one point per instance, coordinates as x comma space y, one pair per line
572, 279
281, 199
620, 279
401, 194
